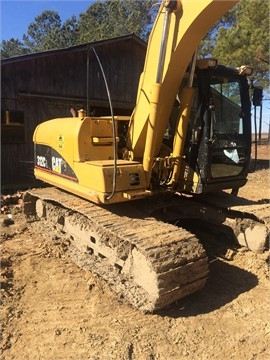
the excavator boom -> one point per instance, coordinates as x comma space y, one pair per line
178, 29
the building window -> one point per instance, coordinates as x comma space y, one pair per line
12, 126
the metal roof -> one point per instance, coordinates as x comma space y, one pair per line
81, 47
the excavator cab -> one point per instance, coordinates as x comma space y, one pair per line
218, 140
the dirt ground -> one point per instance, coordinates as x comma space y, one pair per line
51, 309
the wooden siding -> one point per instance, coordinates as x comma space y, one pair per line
46, 85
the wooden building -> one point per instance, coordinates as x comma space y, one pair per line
46, 85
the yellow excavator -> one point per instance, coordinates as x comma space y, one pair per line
126, 181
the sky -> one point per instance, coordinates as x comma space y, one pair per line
16, 15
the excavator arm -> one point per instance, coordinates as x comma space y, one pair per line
178, 29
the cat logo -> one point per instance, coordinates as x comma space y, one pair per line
57, 164
60, 141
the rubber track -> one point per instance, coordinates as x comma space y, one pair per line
147, 262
